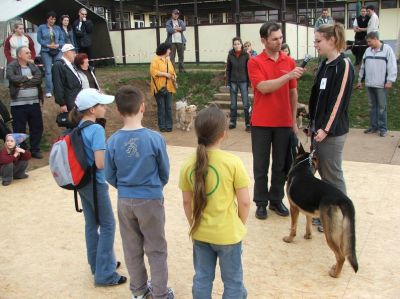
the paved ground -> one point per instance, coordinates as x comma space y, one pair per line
42, 250
359, 147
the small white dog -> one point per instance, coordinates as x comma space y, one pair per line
185, 115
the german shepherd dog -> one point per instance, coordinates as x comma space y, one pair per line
315, 198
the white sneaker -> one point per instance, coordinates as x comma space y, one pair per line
144, 296
48, 95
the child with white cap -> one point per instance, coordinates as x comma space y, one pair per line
89, 105
13, 159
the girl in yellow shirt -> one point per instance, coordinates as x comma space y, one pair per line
216, 201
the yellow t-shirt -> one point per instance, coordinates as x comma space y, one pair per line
220, 223
159, 64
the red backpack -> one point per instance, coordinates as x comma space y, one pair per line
68, 164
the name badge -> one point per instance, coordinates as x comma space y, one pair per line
323, 83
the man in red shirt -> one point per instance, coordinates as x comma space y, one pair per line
273, 76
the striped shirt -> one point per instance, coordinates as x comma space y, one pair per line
26, 96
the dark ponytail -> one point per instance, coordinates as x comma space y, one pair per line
210, 125
74, 117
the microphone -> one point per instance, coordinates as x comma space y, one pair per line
307, 58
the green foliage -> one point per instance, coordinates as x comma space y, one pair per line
199, 87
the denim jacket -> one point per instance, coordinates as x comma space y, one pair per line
43, 37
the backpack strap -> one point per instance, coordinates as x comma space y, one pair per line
76, 201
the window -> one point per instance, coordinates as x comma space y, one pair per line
352, 13
246, 17
110, 24
260, 16
230, 18
302, 16
389, 4
273, 15
216, 18
189, 20
127, 23
375, 4
138, 20
338, 14
99, 10
290, 15
204, 19
153, 20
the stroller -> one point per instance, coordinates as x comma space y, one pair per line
5, 119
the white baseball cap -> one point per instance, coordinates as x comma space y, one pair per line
67, 47
90, 97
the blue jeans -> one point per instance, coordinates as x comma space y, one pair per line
48, 61
164, 111
100, 238
230, 261
244, 91
377, 103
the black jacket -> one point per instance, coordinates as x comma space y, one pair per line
236, 67
66, 85
328, 106
360, 36
17, 80
83, 37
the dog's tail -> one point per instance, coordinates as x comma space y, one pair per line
349, 233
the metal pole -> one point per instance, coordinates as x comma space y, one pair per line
121, 19
158, 24
283, 19
196, 33
237, 18
297, 29
307, 24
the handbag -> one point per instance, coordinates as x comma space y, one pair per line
163, 91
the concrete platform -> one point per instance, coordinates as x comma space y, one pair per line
43, 255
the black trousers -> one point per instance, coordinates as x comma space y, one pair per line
88, 52
31, 115
262, 140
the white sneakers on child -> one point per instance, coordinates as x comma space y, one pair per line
170, 294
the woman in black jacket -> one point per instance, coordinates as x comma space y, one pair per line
329, 101
237, 78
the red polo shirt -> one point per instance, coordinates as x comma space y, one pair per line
271, 109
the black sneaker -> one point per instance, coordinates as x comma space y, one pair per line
261, 212
121, 280
370, 131
37, 155
6, 183
232, 126
248, 128
279, 208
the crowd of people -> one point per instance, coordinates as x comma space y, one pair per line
214, 183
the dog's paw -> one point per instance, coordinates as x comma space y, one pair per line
288, 239
333, 273
307, 236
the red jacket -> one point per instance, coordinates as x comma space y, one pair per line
7, 48
6, 158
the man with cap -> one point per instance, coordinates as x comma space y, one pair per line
66, 80
26, 94
175, 37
